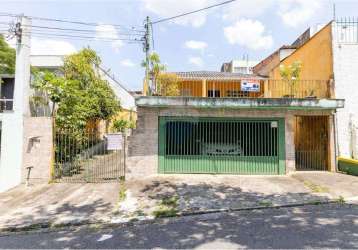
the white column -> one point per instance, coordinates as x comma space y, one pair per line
13, 140
22, 71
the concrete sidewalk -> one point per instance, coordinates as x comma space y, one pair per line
169, 195
58, 203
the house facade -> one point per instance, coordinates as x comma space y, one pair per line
230, 123
328, 54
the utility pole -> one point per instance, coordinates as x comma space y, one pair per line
146, 49
22, 68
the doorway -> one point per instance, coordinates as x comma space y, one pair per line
311, 143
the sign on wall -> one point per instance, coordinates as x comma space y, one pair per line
250, 85
114, 141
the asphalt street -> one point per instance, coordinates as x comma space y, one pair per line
316, 226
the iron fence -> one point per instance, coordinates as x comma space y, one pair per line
89, 156
346, 30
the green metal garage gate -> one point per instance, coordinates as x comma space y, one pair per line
221, 145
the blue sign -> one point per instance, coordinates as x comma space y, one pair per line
250, 86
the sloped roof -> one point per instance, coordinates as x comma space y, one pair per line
215, 75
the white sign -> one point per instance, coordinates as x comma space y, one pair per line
250, 86
274, 125
114, 141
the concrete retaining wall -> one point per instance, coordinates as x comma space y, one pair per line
37, 151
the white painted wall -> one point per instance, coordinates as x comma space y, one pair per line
345, 66
47, 61
11, 150
126, 99
12, 134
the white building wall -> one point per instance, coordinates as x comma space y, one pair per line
345, 66
11, 150
126, 99
12, 134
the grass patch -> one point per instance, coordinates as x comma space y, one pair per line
170, 201
167, 207
341, 200
122, 191
165, 212
316, 202
315, 188
265, 203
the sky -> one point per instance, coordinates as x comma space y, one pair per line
202, 41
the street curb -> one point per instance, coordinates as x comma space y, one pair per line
48, 226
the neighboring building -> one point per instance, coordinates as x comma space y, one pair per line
264, 67
47, 62
26, 137
127, 101
231, 123
239, 66
328, 54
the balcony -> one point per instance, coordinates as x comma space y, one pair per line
246, 93
253, 88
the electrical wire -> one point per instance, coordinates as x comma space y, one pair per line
83, 33
192, 12
152, 32
85, 37
69, 29
67, 21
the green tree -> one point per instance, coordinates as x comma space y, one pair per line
291, 74
168, 84
7, 57
156, 67
78, 94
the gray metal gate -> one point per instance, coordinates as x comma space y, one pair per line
88, 156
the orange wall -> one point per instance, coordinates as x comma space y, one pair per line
196, 88
315, 55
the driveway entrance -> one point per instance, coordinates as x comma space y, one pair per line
221, 145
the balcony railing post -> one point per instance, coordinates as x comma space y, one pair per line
266, 89
204, 88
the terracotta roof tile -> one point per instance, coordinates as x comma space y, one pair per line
215, 75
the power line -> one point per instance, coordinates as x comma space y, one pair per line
76, 30
67, 21
93, 33
192, 12
83, 37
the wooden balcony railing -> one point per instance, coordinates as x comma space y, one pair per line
255, 89
298, 89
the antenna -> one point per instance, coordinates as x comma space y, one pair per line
334, 11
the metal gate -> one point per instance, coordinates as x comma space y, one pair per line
88, 156
221, 145
311, 142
